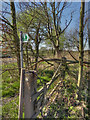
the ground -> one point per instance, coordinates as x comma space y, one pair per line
65, 104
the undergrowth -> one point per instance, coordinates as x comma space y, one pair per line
10, 90
65, 106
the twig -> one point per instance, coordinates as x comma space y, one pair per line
54, 89
44, 69
72, 56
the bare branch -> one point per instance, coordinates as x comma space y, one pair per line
72, 56
5, 12
85, 43
6, 21
85, 22
66, 26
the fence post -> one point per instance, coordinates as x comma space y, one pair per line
30, 89
21, 94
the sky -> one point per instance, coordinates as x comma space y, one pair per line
75, 6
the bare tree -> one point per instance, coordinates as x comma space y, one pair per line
15, 35
10, 30
80, 74
53, 23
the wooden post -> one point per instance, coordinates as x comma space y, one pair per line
30, 89
21, 95
21, 48
22, 78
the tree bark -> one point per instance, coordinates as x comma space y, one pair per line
88, 77
37, 45
15, 35
80, 74
37, 54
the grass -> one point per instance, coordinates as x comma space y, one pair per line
10, 86
10, 109
10, 90
10, 80
66, 106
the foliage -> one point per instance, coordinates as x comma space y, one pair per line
65, 106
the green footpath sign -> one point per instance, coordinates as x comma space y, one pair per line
25, 37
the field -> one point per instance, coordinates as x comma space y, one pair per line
65, 105
75, 54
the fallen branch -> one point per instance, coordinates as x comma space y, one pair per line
47, 85
53, 90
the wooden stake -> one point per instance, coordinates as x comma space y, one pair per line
21, 94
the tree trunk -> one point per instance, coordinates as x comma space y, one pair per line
15, 35
37, 53
37, 45
18, 62
88, 78
80, 75
57, 52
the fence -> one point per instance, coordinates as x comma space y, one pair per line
31, 100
